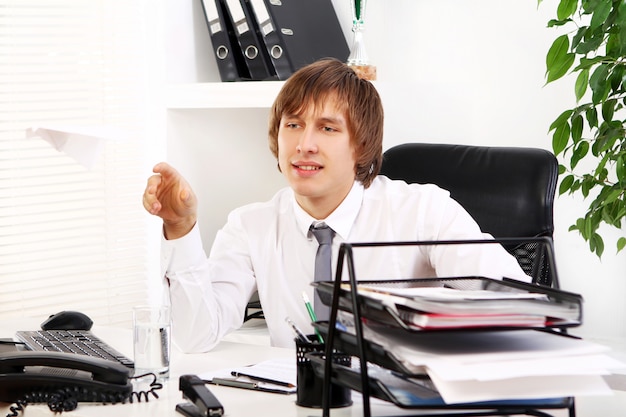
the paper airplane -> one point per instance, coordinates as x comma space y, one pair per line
83, 143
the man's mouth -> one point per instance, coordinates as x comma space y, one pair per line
308, 167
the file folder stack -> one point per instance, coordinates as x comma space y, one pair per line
257, 40
471, 366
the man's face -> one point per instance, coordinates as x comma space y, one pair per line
317, 157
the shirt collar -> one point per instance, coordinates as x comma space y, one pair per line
340, 220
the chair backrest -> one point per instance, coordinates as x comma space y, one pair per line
508, 190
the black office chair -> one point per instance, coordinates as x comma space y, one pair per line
508, 190
254, 310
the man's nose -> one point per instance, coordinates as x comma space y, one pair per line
307, 141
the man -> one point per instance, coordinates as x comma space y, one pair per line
325, 130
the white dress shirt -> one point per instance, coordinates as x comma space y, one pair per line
268, 247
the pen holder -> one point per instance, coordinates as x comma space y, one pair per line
310, 386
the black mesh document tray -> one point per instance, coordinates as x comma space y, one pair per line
378, 373
418, 392
559, 308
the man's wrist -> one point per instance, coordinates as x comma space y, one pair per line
178, 229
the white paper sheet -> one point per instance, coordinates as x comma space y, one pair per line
83, 143
470, 366
521, 388
490, 371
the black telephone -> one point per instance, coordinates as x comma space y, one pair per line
32, 377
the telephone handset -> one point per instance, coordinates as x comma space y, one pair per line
29, 376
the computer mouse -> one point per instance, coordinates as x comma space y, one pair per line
67, 320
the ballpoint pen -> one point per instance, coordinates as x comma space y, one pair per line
262, 379
312, 315
232, 382
299, 333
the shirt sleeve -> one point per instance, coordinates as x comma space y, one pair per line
208, 295
484, 259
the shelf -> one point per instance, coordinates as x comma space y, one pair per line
222, 95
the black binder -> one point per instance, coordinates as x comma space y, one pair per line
258, 15
228, 56
249, 44
308, 30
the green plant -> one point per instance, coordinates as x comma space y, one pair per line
590, 139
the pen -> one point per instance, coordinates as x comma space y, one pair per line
262, 379
301, 336
312, 315
230, 382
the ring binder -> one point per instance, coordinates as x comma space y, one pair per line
307, 31
230, 62
254, 55
270, 39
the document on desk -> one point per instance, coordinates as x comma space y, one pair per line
470, 366
450, 301
274, 375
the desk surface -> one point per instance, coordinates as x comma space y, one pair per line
245, 347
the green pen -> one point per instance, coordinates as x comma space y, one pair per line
312, 315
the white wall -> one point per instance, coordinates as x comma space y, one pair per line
454, 71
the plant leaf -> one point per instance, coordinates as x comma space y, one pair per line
587, 63
577, 128
620, 169
566, 9
581, 84
566, 184
601, 12
561, 119
608, 109
560, 138
621, 24
598, 83
590, 42
597, 244
558, 60
579, 153
621, 243
592, 117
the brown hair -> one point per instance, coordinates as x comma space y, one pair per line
363, 109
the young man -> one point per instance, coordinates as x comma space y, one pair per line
325, 130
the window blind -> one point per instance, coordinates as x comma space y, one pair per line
72, 238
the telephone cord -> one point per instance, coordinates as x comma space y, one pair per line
155, 385
65, 399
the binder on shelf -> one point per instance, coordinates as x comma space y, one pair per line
254, 54
267, 32
230, 61
308, 31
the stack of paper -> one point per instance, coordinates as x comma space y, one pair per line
442, 307
472, 366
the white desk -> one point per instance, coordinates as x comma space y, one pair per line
244, 403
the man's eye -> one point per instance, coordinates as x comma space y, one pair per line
328, 129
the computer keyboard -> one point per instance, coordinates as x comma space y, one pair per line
81, 342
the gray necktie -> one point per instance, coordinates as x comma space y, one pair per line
323, 270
